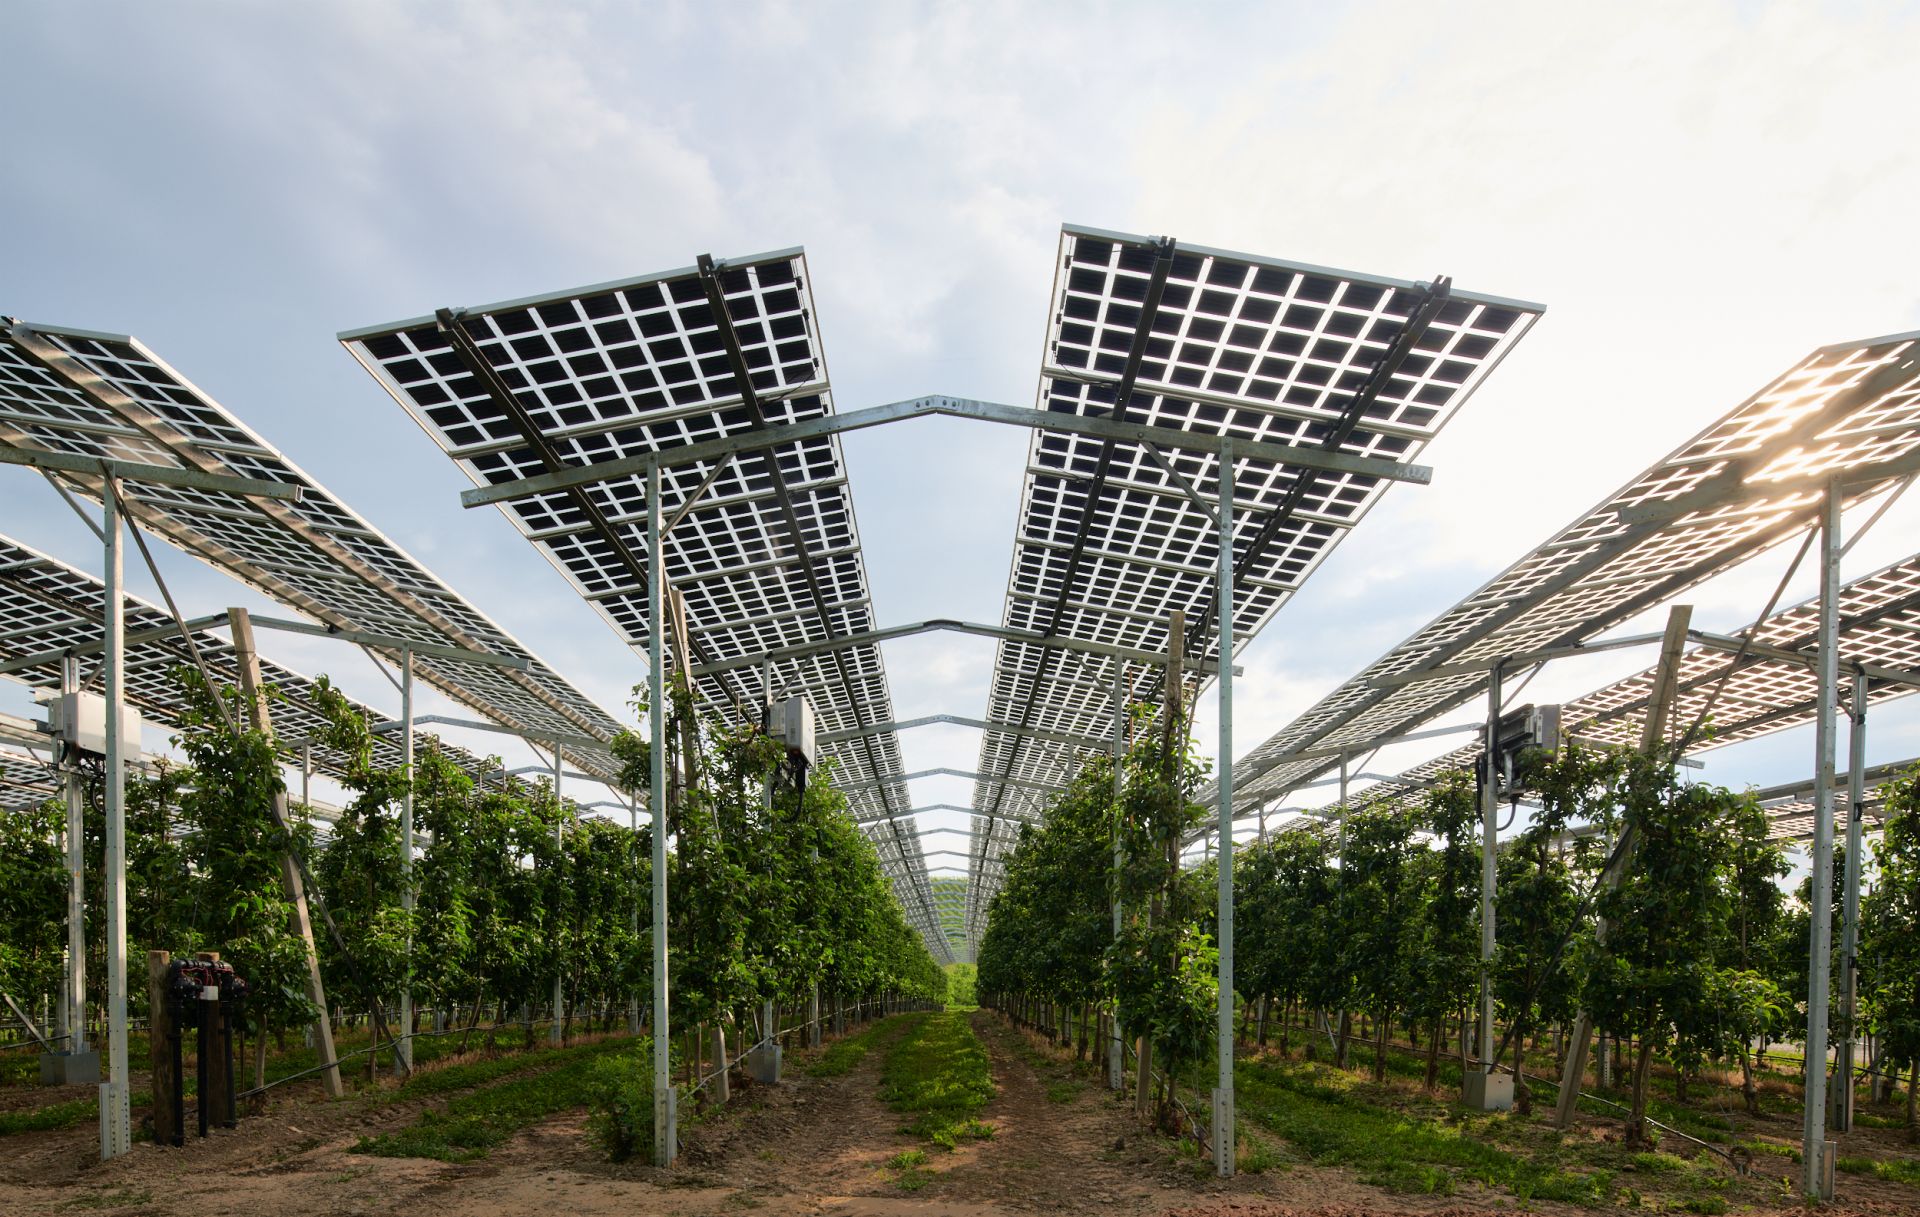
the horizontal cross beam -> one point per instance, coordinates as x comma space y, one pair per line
952, 407
955, 720
432, 650
165, 475
1004, 633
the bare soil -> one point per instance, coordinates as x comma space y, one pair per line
1061, 1144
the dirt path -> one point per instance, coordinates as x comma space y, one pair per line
815, 1146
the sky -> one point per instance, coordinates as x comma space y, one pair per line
1700, 193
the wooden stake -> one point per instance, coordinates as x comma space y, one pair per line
166, 1124
248, 659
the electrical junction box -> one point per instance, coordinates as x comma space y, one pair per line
792, 725
79, 720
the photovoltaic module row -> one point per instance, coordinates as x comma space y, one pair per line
1752, 479
48, 606
764, 549
76, 393
1110, 539
1750, 693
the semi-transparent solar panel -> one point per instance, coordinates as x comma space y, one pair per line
1108, 543
315, 555
1842, 408
46, 606
642, 366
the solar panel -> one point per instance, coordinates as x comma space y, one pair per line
1109, 539
1763, 692
105, 396
767, 554
48, 606
26, 780
1751, 479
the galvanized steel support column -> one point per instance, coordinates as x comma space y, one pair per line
403, 1043
1841, 1114
554, 1034
116, 1126
1814, 1176
1116, 1046
665, 1145
75, 978
1223, 1132
633, 914
1489, 829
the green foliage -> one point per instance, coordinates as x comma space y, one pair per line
1890, 919
962, 984
620, 1102
33, 885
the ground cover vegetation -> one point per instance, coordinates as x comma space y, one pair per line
773, 892
1691, 960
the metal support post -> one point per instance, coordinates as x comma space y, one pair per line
1116, 1045
1480, 1088
403, 1043
1815, 1178
306, 782
559, 860
665, 1146
116, 1124
1842, 1102
633, 914
75, 978
1223, 1130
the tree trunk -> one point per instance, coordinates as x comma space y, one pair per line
1913, 1085
1346, 1030
1265, 1002
1380, 1048
1433, 1056
1680, 1084
1747, 1092
1637, 1117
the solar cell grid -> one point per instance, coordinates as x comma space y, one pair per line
642, 366
46, 606
107, 396
1843, 408
1108, 543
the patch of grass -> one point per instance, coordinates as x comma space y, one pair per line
1333, 1126
906, 1158
473, 1124
1659, 1163
1898, 1170
938, 1072
1757, 1146
1257, 1157
843, 1055
52, 1116
1063, 1092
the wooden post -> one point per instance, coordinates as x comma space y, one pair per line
218, 1069
248, 660
166, 1121
1666, 683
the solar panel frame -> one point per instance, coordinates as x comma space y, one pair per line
315, 555
1243, 346
1845, 406
47, 605
748, 588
